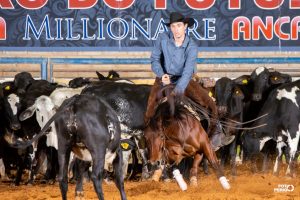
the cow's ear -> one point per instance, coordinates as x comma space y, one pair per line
100, 76
27, 113
242, 80
279, 78
237, 92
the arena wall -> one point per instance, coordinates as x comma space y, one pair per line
140, 73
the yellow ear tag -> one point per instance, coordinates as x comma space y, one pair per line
7, 87
245, 81
124, 145
210, 94
110, 77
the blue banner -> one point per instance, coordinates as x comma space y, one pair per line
220, 25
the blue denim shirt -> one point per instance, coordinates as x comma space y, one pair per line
179, 61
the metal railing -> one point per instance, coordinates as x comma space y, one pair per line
45, 62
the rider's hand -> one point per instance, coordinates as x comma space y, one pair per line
165, 79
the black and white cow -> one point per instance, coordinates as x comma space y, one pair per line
260, 84
130, 102
282, 124
17, 102
89, 127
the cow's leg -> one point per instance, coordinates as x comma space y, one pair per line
194, 169
82, 167
141, 144
98, 156
233, 152
279, 146
31, 158
3, 175
253, 163
223, 153
205, 166
119, 179
63, 160
265, 162
20, 168
126, 155
292, 162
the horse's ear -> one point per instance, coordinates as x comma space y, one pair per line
100, 76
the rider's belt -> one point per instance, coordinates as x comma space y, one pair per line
174, 78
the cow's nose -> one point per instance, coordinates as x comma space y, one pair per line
256, 97
21, 91
222, 109
15, 126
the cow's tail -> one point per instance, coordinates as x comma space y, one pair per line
20, 144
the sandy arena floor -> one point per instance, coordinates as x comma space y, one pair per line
244, 186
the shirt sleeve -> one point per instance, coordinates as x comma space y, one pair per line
156, 58
189, 67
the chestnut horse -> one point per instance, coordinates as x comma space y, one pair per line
174, 133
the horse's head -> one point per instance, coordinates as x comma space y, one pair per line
155, 140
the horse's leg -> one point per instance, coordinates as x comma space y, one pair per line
178, 177
205, 166
212, 158
194, 169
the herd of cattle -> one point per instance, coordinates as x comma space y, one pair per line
106, 116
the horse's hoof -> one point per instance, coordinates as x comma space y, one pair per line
193, 181
224, 182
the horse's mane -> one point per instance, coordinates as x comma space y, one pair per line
166, 113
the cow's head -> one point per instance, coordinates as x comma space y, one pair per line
229, 96
44, 109
263, 79
260, 80
12, 106
22, 81
79, 82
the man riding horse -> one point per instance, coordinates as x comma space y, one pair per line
174, 60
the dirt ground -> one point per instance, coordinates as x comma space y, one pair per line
244, 186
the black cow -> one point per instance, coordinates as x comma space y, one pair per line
112, 75
130, 102
89, 127
261, 83
264, 81
230, 98
11, 158
282, 124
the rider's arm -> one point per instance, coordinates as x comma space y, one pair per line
190, 65
156, 58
